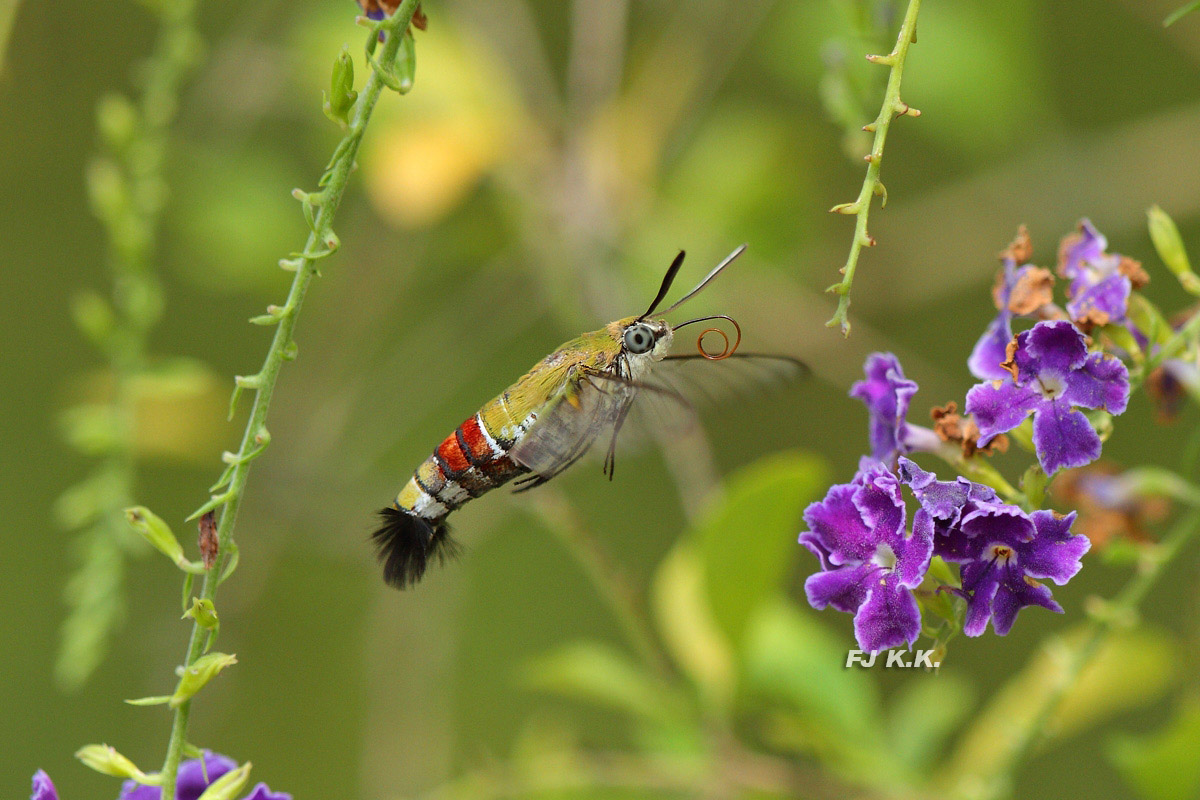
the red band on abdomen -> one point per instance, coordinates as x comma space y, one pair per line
452, 455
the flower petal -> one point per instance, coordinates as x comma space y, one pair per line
1108, 296
879, 501
889, 617
1063, 437
1055, 553
844, 588
886, 393
1102, 382
998, 522
942, 499
999, 409
838, 526
194, 779
913, 555
990, 350
1013, 594
263, 792
980, 579
43, 787
1057, 346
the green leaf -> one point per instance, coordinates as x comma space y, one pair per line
794, 662
597, 673
156, 700
1163, 765
925, 711
688, 628
747, 539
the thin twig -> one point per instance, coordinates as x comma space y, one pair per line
892, 106
126, 188
321, 243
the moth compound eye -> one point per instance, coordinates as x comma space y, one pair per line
638, 338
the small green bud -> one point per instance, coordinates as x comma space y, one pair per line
106, 189
93, 316
155, 531
341, 96
107, 761
1033, 484
405, 67
204, 613
117, 120
192, 679
1169, 245
143, 301
229, 785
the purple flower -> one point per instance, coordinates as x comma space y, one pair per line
1003, 551
1005, 561
193, 778
868, 564
1100, 281
43, 787
1052, 374
886, 394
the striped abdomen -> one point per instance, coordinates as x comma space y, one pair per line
471, 461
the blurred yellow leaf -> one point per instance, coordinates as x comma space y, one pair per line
748, 538
687, 626
427, 154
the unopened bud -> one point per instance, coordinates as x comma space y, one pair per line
1169, 245
192, 679
107, 761
341, 88
229, 785
406, 63
93, 316
116, 119
155, 531
203, 612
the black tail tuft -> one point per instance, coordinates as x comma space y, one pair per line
406, 544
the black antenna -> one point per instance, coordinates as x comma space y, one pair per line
668, 279
707, 278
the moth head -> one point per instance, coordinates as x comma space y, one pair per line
640, 337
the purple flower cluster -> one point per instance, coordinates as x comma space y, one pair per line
193, 778
871, 559
874, 562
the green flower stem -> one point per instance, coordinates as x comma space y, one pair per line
1115, 613
860, 208
321, 243
126, 189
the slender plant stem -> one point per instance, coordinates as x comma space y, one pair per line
1120, 609
860, 208
126, 188
321, 243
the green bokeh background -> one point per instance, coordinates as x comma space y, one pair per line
490, 221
